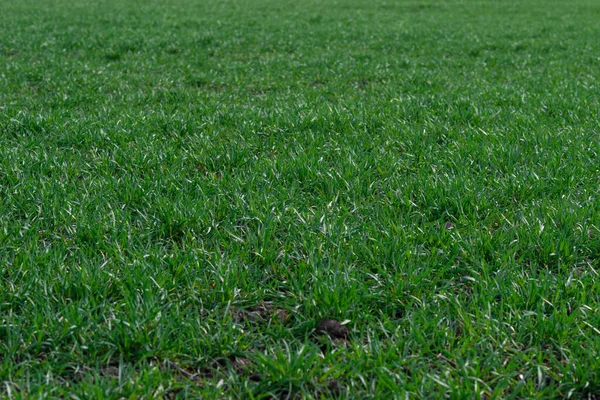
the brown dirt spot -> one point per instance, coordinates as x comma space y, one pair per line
262, 313
334, 328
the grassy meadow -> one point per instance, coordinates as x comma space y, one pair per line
189, 187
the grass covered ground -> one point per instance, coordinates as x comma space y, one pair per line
187, 188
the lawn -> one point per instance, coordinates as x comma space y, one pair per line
188, 188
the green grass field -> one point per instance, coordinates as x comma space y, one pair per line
188, 187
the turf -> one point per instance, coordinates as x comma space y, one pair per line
188, 188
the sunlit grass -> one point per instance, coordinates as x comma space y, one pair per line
188, 188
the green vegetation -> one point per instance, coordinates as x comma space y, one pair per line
187, 188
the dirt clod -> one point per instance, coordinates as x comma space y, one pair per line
333, 328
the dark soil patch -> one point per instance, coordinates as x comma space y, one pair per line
261, 314
334, 328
